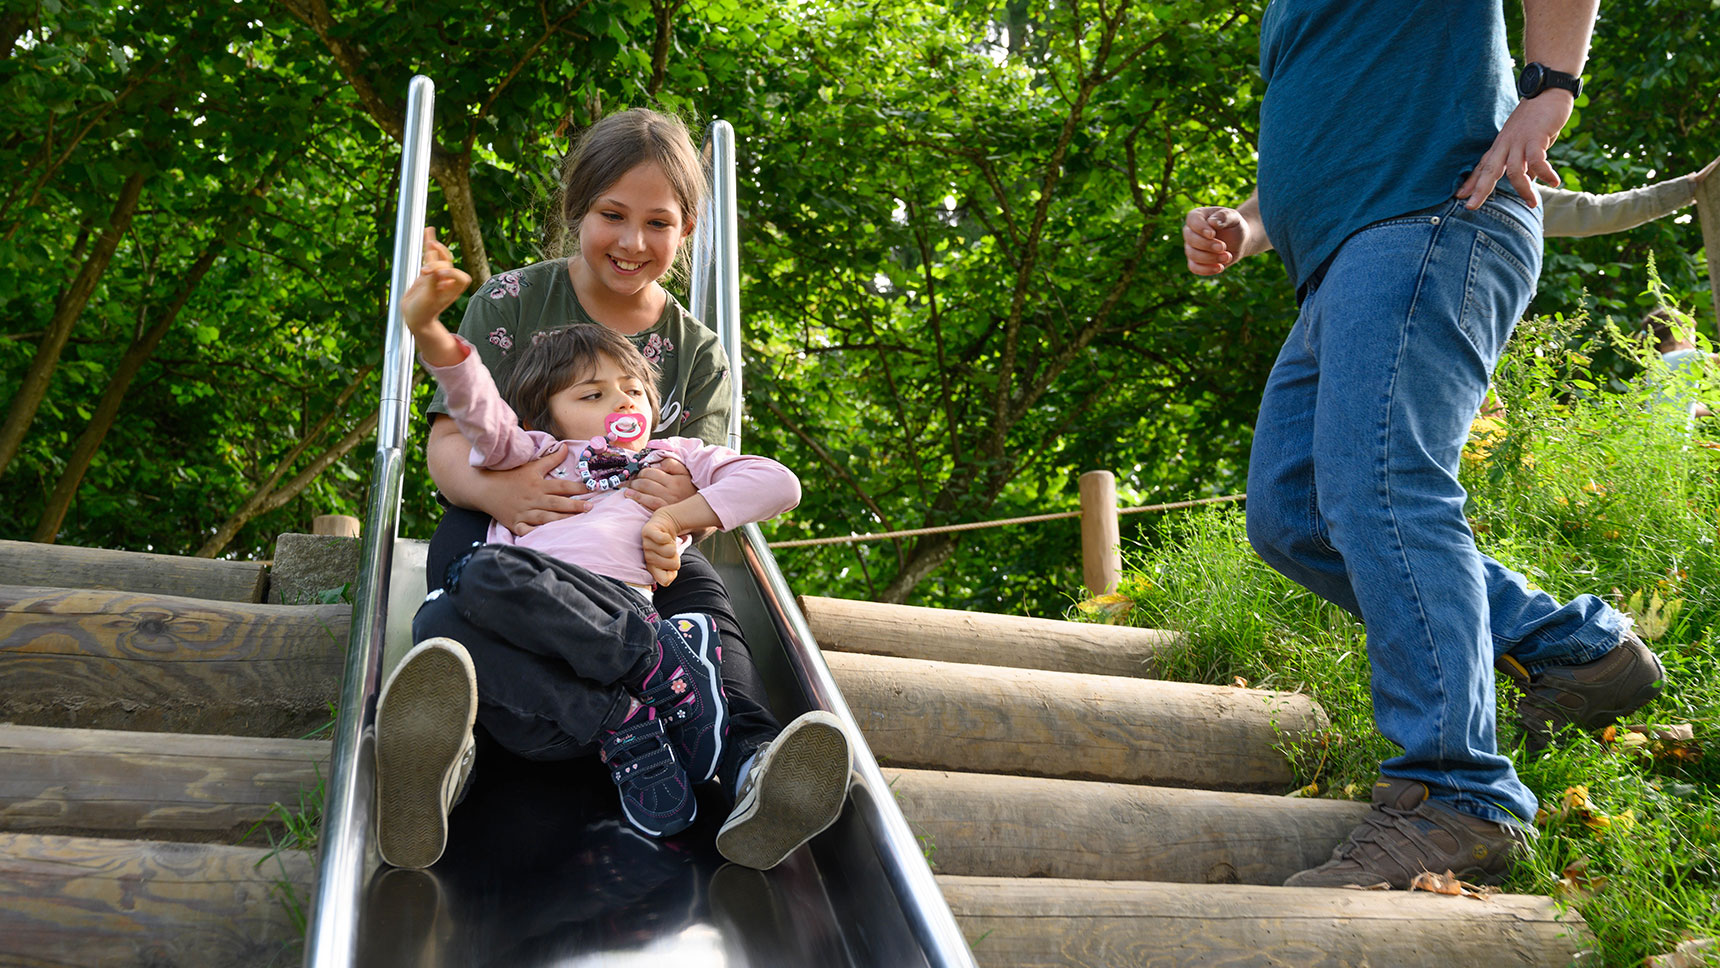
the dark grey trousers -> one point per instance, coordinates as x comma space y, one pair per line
696, 589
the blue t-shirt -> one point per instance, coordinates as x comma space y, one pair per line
1372, 110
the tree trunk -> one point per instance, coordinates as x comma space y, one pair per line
454, 175
928, 554
102, 420
35, 386
267, 497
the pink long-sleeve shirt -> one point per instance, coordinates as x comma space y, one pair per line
605, 540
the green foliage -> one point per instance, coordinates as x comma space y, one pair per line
1584, 492
961, 262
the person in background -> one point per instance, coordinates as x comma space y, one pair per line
1396, 170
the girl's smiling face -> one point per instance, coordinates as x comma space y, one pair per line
630, 234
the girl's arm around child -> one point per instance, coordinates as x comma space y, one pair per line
734, 489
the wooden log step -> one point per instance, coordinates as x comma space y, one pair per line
986, 719
1040, 923
1015, 826
948, 635
99, 903
125, 660
156, 786
61, 566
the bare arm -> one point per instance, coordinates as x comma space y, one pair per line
1556, 35
1215, 237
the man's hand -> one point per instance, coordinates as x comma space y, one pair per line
1519, 152
1215, 237
662, 552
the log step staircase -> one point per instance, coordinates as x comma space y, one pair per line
1075, 811
1079, 813
149, 712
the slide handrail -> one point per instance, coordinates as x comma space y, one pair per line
715, 299
331, 937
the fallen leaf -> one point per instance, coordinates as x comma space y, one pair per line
1239, 682
1676, 742
1576, 884
1311, 790
1449, 883
1576, 805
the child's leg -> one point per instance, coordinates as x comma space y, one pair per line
789, 783
424, 750
751, 723
605, 632
591, 623
537, 707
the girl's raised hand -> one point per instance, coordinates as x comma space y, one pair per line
439, 283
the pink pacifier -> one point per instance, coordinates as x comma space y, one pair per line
624, 428
605, 465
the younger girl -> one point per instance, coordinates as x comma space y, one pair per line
629, 192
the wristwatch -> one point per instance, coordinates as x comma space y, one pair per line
1537, 77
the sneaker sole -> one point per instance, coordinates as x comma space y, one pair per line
801, 794
432, 700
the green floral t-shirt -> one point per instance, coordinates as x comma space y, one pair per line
508, 309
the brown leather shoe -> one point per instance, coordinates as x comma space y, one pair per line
1591, 696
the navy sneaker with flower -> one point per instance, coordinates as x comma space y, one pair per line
655, 795
685, 687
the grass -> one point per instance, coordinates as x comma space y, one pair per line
1582, 490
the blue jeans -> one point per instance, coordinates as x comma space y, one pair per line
1353, 492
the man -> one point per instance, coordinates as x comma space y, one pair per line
1383, 134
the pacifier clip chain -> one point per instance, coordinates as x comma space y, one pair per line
605, 466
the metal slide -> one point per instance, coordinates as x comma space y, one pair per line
541, 870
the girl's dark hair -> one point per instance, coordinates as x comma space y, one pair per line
559, 358
621, 142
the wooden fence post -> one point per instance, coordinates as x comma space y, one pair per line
1101, 539
1708, 210
339, 525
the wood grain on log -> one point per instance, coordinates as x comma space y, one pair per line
987, 719
1013, 826
63, 566
1040, 923
124, 660
946, 635
99, 903
158, 786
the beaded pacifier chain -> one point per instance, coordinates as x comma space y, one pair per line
604, 465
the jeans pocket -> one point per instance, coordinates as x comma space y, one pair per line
1495, 293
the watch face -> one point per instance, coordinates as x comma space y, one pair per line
1530, 82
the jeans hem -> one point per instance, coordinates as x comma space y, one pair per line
1595, 639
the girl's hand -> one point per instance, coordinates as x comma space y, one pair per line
519, 499
661, 484
523, 498
439, 283
662, 553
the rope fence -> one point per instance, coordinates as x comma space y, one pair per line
998, 523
